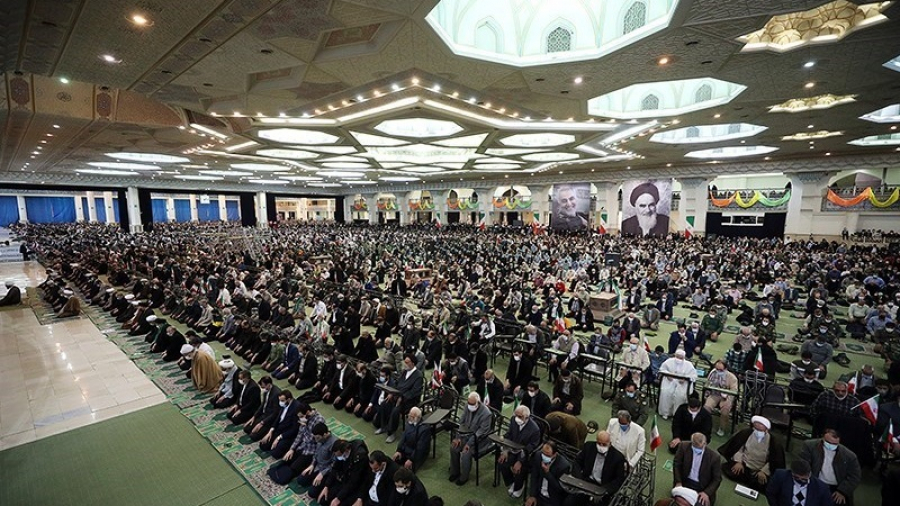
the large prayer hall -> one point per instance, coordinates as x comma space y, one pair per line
450, 252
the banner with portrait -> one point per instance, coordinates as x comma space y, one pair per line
645, 207
571, 206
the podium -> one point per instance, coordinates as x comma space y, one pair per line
603, 305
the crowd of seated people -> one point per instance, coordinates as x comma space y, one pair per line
300, 322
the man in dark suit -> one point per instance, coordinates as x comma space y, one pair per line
537, 400
248, 400
568, 393
284, 428
514, 464
690, 418
258, 425
490, 388
410, 384
707, 477
344, 484
412, 450
797, 487
307, 370
602, 465
547, 466
833, 463
343, 386
518, 374
665, 306
379, 480
408, 490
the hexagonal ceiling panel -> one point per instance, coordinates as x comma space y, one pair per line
418, 127
664, 98
707, 133
527, 33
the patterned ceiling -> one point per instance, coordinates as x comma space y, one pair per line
343, 67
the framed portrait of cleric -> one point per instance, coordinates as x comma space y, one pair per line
645, 207
570, 207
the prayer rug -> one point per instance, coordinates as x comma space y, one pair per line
853, 346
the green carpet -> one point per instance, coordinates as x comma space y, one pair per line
153, 456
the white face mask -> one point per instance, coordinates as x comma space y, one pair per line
520, 421
472, 407
402, 490
532, 394
633, 347
602, 450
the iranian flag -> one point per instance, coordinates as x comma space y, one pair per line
481, 224
888, 438
689, 229
602, 229
758, 364
437, 377
655, 439
437, 221
851, 385
869, 409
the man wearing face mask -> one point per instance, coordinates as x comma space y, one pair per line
412, 450
712, 325
456, 370
536, 399
677, 377
477, 421
303, 449
636, 361
408, 490
518, 374
320, 467
344, 385
548, 465
831, 404
344, 484
491, 389
284, 429
690, 419
514, 463
630, 400
248, 399
797, 487
720, 377
834, 464
568, 392
698, 468
627, 436
682, 339
752, 454
601, 464
820, 350
410, 383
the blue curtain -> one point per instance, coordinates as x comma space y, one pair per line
115, 204
182, 210
208, 212
9, 211
50, 209
85, 210
233, 210
160, 214
100, 206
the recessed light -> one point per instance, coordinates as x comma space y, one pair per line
810, 126
664, 60
894, 127
828, 154
767, 158
578, 80
395, 86
64, 80
140, 20
415, 80
809, 85
108, 58
717, 115
809, 64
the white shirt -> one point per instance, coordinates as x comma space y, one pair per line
373, 490
206, 348
409, 372
799, 488
597, 472
827, 473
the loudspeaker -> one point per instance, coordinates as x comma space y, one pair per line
612, 259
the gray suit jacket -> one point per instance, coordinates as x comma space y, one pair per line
710, 475
845, 465
478, 422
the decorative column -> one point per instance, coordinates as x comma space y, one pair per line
108, 204
23, 211
132, 200
262, 210
170, 209
195, 213
439, 198
372, 205
92, 207
485, 206
223, 209
403, 208
79, 209
348, 209
608, 205
807, 190
540, 204
693, 205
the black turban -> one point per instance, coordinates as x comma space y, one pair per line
642, 189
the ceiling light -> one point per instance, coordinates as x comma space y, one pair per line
148, 157
418, 127
664, 60
399, 179
266, 181
810, 126
123, 165
538, 140
300, 178
325, 185
288, 154
877, 140
809, 85
395, 87
664, 98
424, 170
717, 115
497, 166
415, 80
108, 58
226, 173
356, 181
469, 141
140, 20
377, 140
809, 64
197, 178
340, 173
260, 167
102, 172
337, 150
64, 80
825, 101
297, 136
828, 154
347, 165
550, 157
730, 152
55, 126
802, 136
578, 80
